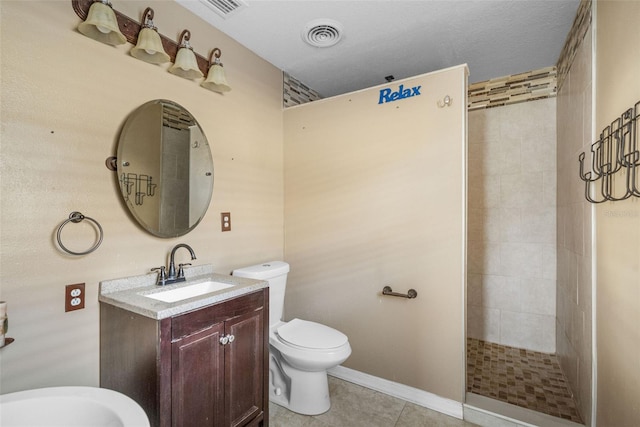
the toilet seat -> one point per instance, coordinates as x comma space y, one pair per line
310, 335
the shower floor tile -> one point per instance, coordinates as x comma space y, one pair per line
525, 378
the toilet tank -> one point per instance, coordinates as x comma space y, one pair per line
275, 272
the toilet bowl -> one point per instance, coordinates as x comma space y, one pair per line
300, 351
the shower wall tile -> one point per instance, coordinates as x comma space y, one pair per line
513, 89
491, 191
549, 188
574, 257
475, 224
574, 43
577, 230
474, 290
521, 260
572, 279
474, 256
492, 225
521, 190
540, 224
483, 322
294, 92
512, 224
529, 331
539, 152
501, 292
550, 262
491, 260
540, 295
491, 157
510, 156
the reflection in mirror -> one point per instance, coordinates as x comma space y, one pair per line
165, 168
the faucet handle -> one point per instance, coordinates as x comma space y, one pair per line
181, 269
162, 275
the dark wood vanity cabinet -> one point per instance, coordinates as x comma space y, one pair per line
206, 367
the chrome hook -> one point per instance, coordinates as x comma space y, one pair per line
446, 102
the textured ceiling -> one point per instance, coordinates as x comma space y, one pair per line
399, 37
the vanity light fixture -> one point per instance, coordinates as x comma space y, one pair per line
216, 79
149, 47
186, 64
101, 24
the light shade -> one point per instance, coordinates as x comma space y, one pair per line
216, 79
186, 64
149, 47
101, 24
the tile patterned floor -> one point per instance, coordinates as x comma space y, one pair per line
521, 377
356, 406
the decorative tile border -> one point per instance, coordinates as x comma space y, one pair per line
295, 92
529, 86
581, 25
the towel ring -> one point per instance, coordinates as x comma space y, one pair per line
76, 217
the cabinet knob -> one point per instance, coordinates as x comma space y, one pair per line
231, 338
224, 340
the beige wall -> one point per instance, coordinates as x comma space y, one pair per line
64, 100
575, 222
617, 226
374, 196
512, 218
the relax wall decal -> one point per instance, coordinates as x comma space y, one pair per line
387, 95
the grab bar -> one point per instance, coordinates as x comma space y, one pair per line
411, 293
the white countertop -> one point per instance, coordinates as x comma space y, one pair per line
129, 292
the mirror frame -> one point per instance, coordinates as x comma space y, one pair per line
152, 131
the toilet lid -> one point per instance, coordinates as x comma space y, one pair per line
311, 335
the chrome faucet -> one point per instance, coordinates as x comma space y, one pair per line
166, 278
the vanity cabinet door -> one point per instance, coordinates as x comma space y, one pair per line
197, 379
244, 368
218, 362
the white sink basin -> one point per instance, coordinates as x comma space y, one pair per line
189, 291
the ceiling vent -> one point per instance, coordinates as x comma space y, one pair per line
225, 8
322, 33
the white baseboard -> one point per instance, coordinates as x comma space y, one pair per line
401, 391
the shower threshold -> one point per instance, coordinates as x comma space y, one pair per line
488, 412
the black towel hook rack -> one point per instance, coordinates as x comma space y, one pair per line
615, 156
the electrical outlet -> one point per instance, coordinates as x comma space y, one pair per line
225, 221
74, 297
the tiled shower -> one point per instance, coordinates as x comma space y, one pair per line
512, 250
512, 225
529, 241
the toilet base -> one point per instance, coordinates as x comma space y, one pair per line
303, 392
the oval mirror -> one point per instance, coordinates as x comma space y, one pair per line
165, 168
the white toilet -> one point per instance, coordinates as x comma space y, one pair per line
300, 352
